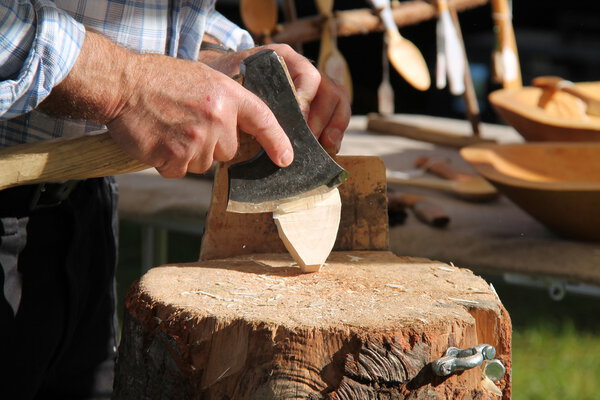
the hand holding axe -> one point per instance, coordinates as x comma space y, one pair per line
306, 187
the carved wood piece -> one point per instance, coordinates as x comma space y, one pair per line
331, 61
402, 53
560, 117
308, 228
556, 183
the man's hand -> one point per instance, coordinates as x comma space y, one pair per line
324, 102
175, 115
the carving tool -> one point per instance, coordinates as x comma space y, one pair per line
303, 196
403, 54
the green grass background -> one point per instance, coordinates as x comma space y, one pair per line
556, 345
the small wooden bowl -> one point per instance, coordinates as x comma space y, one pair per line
540, 115
556, 183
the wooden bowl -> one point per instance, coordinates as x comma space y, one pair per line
556, 183
540, 115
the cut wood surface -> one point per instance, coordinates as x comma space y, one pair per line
364, 20
363, 223
367, 326
308, 228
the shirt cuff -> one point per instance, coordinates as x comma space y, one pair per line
46, 42
228, 33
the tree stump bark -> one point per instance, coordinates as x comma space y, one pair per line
367, 326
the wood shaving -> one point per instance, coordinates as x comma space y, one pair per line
463, 300
395, 286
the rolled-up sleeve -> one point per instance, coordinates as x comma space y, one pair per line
228, 33
39, 45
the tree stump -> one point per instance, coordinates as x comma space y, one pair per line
367, 326
244, 322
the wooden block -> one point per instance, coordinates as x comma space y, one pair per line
308, 228
367, 326
363, 223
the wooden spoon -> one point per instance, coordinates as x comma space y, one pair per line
260, 17
556, 83
403, 54
474, 189
331, 61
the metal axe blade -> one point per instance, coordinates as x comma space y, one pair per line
258, 185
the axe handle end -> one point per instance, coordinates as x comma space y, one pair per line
58, 160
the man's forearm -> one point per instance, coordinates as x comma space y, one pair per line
99, 84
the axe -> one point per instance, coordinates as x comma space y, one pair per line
303, 196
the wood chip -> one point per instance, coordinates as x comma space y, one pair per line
395, 286
463, 300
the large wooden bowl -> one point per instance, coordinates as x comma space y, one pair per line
548, 116
556, 183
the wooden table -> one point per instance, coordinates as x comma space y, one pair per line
494, 237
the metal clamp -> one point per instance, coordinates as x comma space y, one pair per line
457, 359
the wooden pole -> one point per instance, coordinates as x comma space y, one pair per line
363, 21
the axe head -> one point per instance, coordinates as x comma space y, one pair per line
259, 185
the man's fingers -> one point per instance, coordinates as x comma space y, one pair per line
329, 115
306, 77
256, 119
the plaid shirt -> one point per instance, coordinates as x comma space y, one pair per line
41, 39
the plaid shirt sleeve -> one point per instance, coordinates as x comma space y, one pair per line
228, 33
39, 44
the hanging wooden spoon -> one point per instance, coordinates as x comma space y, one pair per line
403, 54
385, 91
260, 17
331, 61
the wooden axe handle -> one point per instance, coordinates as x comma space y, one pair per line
84, 157
90, 156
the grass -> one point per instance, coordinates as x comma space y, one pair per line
556, 345
556, 363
